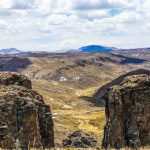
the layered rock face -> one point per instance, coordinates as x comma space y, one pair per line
25, 121
128, 113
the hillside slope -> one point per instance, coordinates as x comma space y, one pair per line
68, 82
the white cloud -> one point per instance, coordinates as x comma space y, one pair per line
5, 4
95, 4
3, 25
22, 4
146, 5
129, 17
60, 24
91, 15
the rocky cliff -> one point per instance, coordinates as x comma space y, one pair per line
127, 112
25, 120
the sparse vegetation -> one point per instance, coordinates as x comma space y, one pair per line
71, 110
72, 102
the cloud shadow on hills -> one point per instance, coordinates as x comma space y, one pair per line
13, 64
131, 60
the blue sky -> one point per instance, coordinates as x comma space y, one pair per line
69, 24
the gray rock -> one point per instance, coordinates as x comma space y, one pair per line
25, 120
79, 139
127, 113
9, 78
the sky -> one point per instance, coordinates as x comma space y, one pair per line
55, 25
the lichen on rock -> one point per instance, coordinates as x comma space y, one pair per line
9, 78
26, 121
79, 139
127, 113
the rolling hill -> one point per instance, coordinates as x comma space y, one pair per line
68, 82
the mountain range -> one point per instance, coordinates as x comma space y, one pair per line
89, 49
84, 49
10, 51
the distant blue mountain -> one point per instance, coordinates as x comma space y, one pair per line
88, 49
96, 48
13, 51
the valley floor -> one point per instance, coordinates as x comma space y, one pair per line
70, 112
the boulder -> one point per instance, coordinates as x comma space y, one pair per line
127, 113
79, 139
26, 121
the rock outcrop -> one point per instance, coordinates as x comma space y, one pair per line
9, 78
25, 121
127, 112
79, 139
